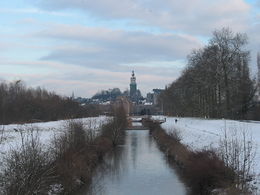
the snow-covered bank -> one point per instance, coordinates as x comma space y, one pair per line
199, 133
11, 136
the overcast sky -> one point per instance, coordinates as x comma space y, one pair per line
84, 46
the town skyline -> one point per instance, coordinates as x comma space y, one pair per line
84, 47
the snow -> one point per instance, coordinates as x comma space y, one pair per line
136, 118
11, 137
198, 133
137, 124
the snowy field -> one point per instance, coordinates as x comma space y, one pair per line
10, 137
199, 133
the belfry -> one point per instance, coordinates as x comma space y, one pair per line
133, 87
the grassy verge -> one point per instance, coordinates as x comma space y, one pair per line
66, 166
79, 153
203, 171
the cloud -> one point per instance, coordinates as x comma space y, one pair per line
27, 21
31, 11
84, 59
83, 81
6, 45
88, 59
258, 3
197, 16
105, 48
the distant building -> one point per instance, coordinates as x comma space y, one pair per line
154, 97
135, 94
149, 98
133, 86
156, 94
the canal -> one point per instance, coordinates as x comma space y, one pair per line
136, 168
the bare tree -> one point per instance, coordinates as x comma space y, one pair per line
28, 169
19, 103
237, 150
214, 75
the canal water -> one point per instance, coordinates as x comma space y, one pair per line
136, 168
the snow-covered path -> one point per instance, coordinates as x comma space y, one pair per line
198, 133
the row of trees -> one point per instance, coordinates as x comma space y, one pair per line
216, 82
108, 95
21, 104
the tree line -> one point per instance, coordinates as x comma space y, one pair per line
19, 104
216, 82
108, 95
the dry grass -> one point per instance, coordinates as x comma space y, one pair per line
78, 152
27, 169
203, 171
67, 165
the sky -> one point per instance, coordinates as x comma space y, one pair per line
85, 46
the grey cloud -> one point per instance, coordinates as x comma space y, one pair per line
147, 79
4, 45
201, 16
104, 48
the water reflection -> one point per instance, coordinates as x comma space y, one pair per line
137, 168
134, 148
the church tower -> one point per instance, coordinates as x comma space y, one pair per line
133, 86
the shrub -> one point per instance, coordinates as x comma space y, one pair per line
175, 134
206, 171
68, 164
113, 130
79, 149
237, 150
28, 169
74, 155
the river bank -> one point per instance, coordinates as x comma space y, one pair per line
203, 171
136, 167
